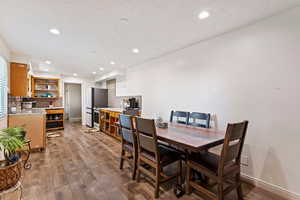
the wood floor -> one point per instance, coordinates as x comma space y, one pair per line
85, 166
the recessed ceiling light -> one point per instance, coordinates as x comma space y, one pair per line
135, 50
74, 74
112, 62
48, 62
203, 14
54, 31
101, 68
94, 72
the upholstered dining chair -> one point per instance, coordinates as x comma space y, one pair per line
128, 142
199, 119
220, 169
152, 154
181, 117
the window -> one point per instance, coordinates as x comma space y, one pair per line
3, 88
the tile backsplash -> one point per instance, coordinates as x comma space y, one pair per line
36, 102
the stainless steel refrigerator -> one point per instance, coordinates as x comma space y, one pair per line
96, 98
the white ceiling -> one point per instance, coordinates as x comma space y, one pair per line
94, 32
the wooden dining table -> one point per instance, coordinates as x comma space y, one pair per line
190, 138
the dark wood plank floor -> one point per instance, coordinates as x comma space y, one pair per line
85, 166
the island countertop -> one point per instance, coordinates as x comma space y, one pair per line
33, 111
113, 109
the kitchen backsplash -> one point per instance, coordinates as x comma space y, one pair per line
36, 102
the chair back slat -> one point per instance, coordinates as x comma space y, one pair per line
145, 126
182, 117
236, 131
125, 121
147, 138
127, 135
232, 152
233, 145
126, 127
147, 143
195, 119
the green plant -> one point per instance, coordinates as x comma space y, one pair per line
11, 140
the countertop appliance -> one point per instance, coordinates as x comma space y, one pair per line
96, 98
27, 105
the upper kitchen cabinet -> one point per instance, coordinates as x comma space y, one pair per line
19, 81
45, 87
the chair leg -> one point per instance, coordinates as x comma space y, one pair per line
122, 159
138, 173
220, 191
239, 188
188, 178
134, 167
157, 181
179, 177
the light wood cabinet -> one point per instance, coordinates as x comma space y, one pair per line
108, 121
45, 87
18, 79
55, 119
35, 126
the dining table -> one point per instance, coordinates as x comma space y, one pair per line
188, 139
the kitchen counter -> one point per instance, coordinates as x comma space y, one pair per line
34, 111
53, 108
113, 109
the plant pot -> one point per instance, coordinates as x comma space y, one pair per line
10, 175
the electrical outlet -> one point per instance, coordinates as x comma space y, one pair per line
244, 161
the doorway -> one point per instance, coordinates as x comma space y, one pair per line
73, 106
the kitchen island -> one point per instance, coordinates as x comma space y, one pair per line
34, 123
107, 120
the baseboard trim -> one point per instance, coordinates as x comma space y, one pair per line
275, 189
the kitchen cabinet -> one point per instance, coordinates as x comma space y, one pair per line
108, 119
19, 85
55, 119
34, 125
45, 87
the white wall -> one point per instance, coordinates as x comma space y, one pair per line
5, 54
252, 73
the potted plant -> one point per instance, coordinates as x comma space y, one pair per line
12, 140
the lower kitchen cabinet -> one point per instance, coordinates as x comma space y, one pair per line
34, 125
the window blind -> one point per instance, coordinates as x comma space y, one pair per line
3, 88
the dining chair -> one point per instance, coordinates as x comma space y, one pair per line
129, 150
199, 119
182, 117
154, 155
220, 169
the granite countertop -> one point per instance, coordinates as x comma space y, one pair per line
34, 111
